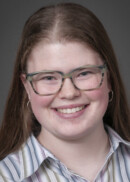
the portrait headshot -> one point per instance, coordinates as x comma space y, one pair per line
65, 86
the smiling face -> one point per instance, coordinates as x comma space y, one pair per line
71, 113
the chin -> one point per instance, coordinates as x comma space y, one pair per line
72, 135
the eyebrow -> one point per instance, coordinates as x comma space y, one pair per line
51, 71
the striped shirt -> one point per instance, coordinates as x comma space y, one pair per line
34, 163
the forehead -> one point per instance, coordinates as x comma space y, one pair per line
61, 56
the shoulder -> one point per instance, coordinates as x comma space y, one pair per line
23, 163
115, 137
125, 151
10, 168
119, 144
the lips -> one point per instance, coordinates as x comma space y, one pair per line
70, 110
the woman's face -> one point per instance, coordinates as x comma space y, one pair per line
48, 110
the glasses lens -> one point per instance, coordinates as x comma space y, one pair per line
47, 83
87, 78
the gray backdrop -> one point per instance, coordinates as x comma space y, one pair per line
114, 14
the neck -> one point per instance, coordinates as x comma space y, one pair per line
91, 147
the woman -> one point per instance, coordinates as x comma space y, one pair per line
64, 119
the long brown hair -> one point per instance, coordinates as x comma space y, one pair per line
63, 22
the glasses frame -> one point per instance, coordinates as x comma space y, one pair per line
102, 68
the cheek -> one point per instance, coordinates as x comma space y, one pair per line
40, 105
40, 101
99, 99
101, 95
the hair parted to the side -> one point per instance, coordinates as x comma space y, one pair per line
66, 22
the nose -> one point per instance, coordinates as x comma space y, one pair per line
68, 90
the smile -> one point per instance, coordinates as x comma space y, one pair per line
71, 110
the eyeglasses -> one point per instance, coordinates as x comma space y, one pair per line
85, 78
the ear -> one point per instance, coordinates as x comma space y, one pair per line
26, 84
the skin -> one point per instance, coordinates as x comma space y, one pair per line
70, 133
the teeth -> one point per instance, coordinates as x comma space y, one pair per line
69, 111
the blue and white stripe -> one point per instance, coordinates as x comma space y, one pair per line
33, 163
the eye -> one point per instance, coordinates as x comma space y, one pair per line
45, 77
84, 73
49, 78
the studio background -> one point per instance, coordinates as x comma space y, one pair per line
114, 14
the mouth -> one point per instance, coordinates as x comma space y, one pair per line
70, 110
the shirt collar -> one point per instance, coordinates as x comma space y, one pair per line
115, 139
33, 154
